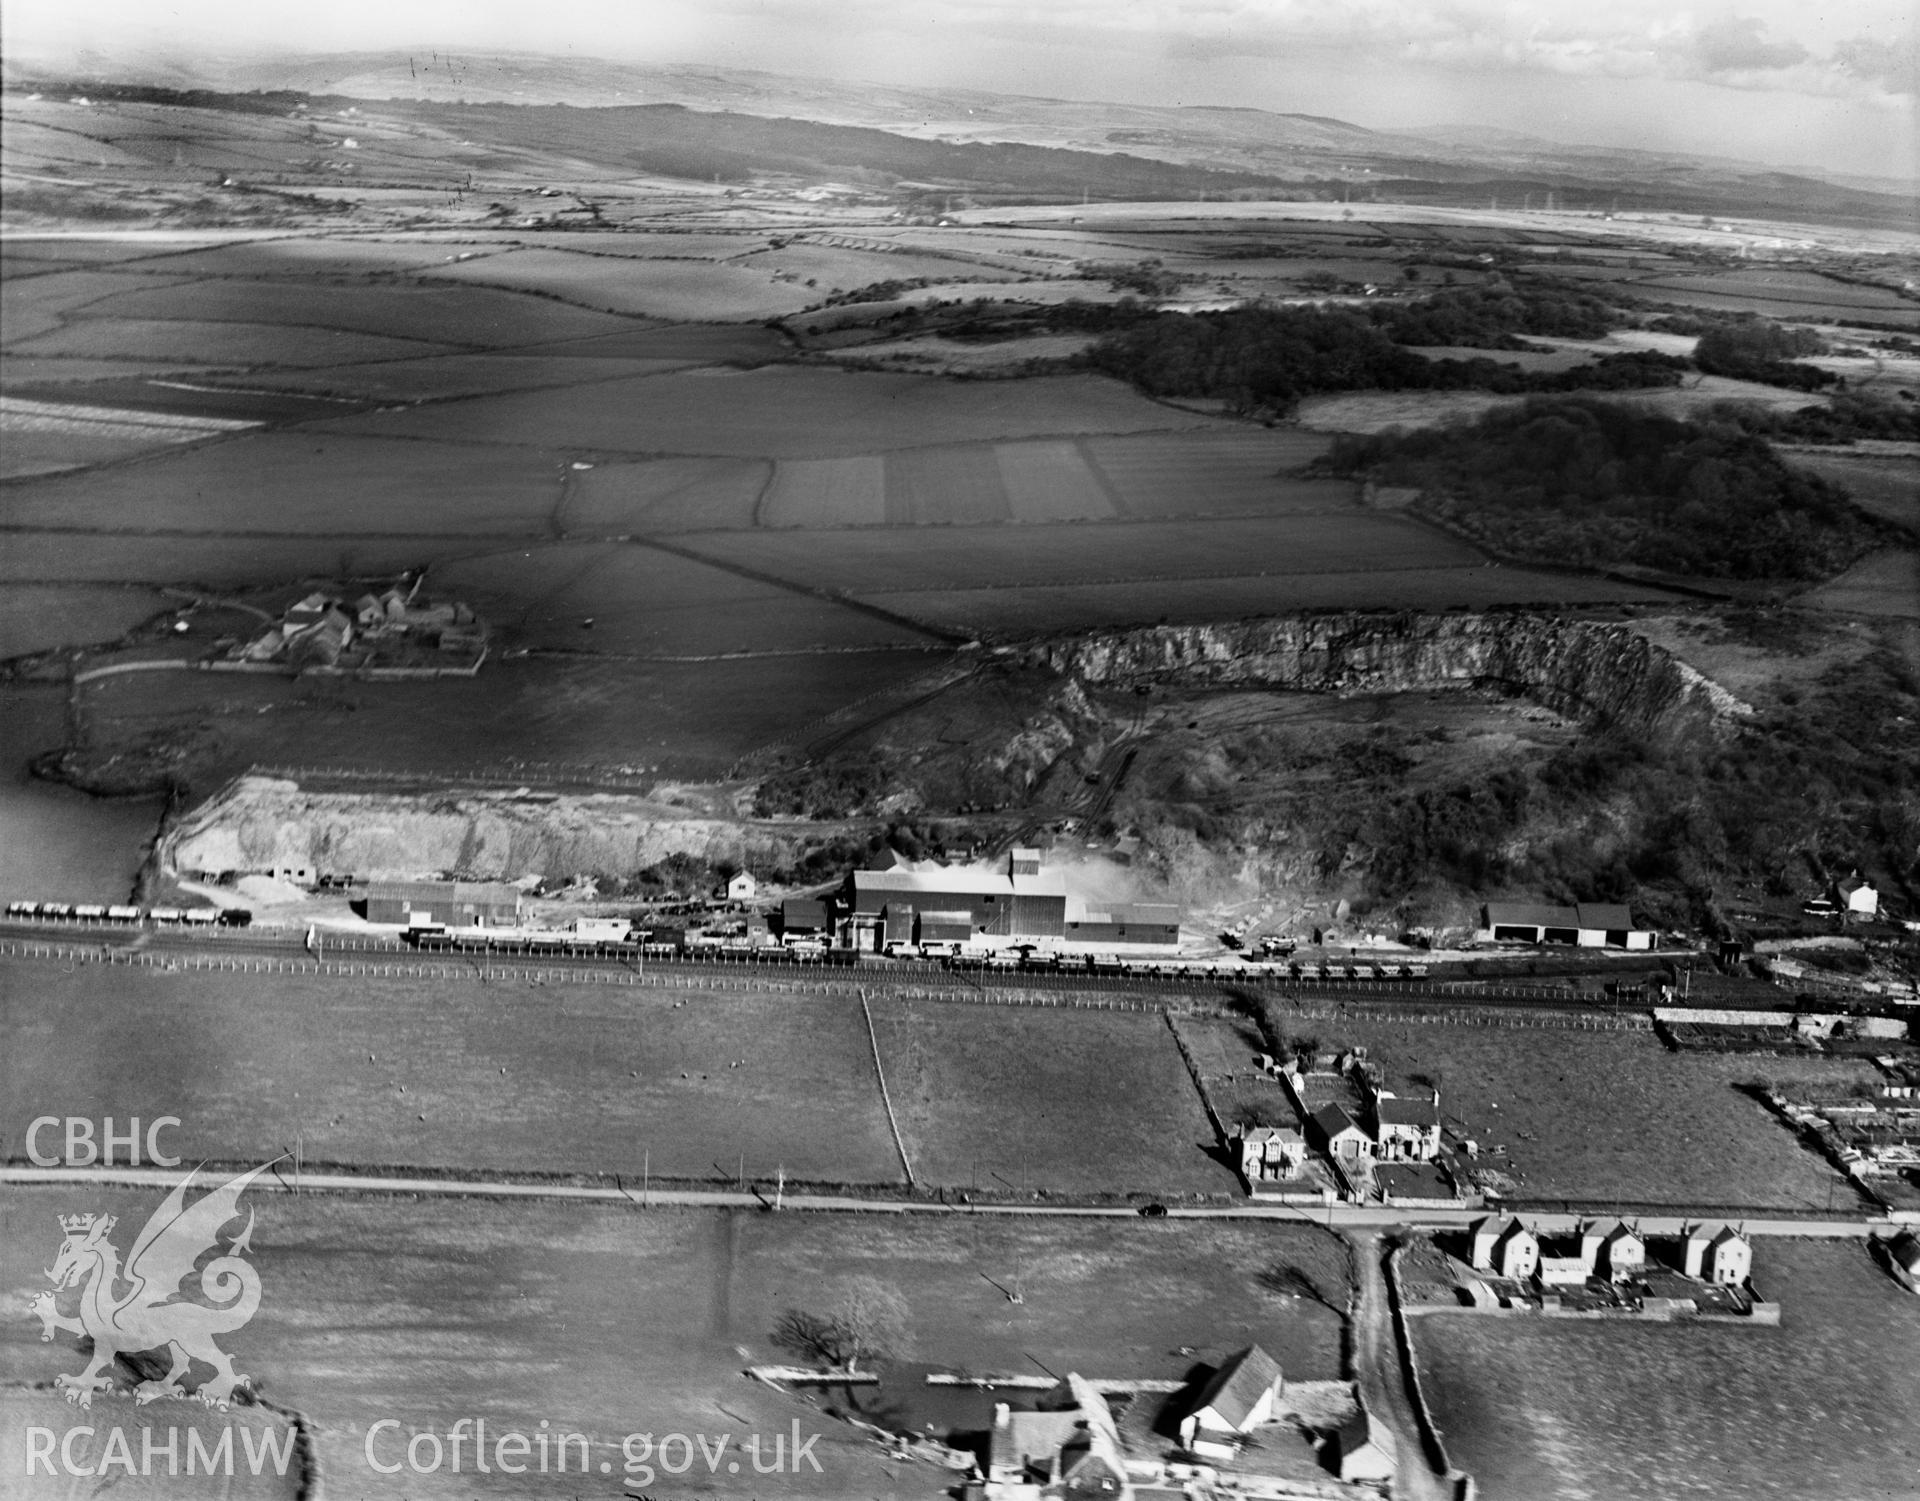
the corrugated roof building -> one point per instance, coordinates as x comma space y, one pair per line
454, 904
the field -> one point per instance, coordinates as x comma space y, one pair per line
1006, 1097
1886, 583
1819, 1409
898, 560
786, 413
39, 618
508, 1076
456, 375
1047, 608
611, 1322
223, 342
1607, 1117
664, 495
682, 291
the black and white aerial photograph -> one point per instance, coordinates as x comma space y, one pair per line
960, 750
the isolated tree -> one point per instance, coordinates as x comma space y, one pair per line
868, 1321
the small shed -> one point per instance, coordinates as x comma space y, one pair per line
1365, 1450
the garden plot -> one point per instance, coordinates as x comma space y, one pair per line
686, 291
783, 412
305, 483
665, 495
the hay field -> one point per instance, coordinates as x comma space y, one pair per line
928, 486
789, 413
294, 482
1045, 609
1044, 1099
1052, 481
649, 603
664, 495
396, 1072
903, 559
1613, 1117
1246, 471
1819, 1409
703, 291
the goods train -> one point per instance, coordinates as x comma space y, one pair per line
230, 917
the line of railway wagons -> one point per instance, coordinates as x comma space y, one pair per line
129, 916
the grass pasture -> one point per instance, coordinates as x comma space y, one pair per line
645, 602
32, 306
1018, 1099
706, 291
506, 1075
453, 375
39, 617
1887, 487
477, 316
212, 562
1610, 1117
1819, 1409
1052, 481
1243, 472
815, 493
928, 486
298, 482
228, 343
901, 560
788, 413
1885, 583
665, 495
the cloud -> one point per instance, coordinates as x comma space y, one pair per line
1895, 68
1738, 44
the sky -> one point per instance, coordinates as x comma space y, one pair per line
1825, 84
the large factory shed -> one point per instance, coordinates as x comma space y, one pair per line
451, 904
1587, 925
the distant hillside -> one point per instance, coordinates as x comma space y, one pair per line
1451, 165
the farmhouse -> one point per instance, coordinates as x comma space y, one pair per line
1237, 1398
1590, 925
452, 904
1718, 1253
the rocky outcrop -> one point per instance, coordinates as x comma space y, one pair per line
1601, 673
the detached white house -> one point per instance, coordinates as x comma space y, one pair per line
1718, 1253
1613, 1248
742, 888
1506, 1247
1271, 1154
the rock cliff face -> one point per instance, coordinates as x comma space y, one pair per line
1604, 674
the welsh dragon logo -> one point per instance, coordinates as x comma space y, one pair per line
140, 1307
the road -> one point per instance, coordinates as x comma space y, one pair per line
1382, 1378
1358, 1218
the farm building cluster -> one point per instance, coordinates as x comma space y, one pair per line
1352, 1138
1243, 1430
1596, 1267
393, 629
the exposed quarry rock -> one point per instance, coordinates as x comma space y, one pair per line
260, 822
1601, 673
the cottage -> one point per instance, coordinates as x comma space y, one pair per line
1271, 1153
1718, 1253
1237, 1398
742, 888
1861, 899
1075, 1452
1340, 1135
1613, 1249
1364, 1450
1506, 1247
1407, 1130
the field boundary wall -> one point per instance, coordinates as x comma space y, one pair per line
886, 1096
1458, 1481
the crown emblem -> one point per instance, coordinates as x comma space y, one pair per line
73, 1223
